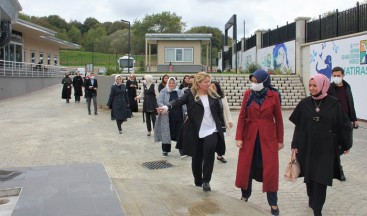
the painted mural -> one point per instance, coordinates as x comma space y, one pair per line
350, 54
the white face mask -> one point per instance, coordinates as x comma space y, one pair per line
92, 77
257, 86
337, 80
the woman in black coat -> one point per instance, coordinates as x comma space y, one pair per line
321, 128
132, 87
66, 88
78, 84
118, 102
202, 132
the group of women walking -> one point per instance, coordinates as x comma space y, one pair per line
196, 116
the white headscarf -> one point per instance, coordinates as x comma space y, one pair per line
117, 76
167, 85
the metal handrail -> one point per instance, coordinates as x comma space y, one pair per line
22, 69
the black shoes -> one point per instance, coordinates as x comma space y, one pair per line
221, 159
206, 187
274, 211
244, 199
342, 176
120, 132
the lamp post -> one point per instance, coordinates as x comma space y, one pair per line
128, 47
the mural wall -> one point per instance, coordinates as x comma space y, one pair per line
248, 57
350, 54
278, 57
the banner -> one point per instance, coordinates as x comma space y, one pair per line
350, 54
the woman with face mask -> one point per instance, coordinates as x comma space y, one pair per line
259, 137
168, 124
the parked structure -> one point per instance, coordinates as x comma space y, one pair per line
178, 52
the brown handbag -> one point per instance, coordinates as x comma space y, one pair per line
293, 168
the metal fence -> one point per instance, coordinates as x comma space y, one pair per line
336, 24
279, 35
21, 69
250, 42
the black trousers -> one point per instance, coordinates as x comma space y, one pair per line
166, 147
150, 116
203, 161
77, 97
316, 193
271, 196
119, 123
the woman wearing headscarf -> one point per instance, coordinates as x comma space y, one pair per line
202, 132
168, 124
66, 88
119, 102
132, 87
149, 91
259, 137
321, 128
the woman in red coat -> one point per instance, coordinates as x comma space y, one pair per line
259, 136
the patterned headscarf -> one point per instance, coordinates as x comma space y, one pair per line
322, 83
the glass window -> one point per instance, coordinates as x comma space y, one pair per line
33, 56
170, 55
48, 58
178, 55
188, 55
41, 58
18, 53
11, 52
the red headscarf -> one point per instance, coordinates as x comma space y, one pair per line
322, 84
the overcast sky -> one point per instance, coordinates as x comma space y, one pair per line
258, 14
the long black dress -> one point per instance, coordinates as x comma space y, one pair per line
317, 136
132, 86
118, 102
66, 89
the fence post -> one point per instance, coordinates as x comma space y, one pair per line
357, 16
319, 27
337, 22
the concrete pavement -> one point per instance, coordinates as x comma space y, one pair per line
41, 129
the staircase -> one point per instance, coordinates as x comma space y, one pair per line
234, 85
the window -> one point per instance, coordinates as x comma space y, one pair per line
33, 56
48, 58
179, 55
55, 60
41, 58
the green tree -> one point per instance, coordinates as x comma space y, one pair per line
75, 35
89, 23
92, 37
165, 22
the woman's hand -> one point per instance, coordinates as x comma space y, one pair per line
280, 146
136, 98
296, 150
230, 125
239, 143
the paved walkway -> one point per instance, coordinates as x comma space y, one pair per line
41, 129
